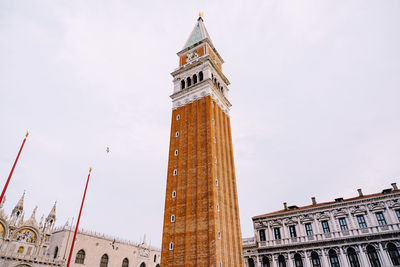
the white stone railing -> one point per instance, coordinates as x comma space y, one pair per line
331, 235
31, 258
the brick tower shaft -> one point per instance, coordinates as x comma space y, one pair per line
201, 216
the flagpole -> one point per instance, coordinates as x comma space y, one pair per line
12, 169
79, 218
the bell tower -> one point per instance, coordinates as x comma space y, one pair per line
201, 215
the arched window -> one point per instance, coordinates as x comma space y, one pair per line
251, 262
393, 253
351, 253
194, 78
215, 80
142, 264
297, 260
56, 252
155, 258
333, 258
80, 257
316, 262
125, 262
201, 76
188, 82
265, 262
281, 261
182, 84
158, 265
373, 256
104, 261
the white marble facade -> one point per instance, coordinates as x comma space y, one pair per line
25, 243
97, 249
360, 231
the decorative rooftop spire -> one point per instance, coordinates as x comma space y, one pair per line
199, 32
33, 216
20, 205
52, 214
2, 202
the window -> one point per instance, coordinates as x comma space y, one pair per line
215, 160
325, 227
219, 235
213, 121
333, 258
397, 214
361, 221
316, 262
261, 233
182, 84
175, 172
309, 230
178, 117
201, 76
281, 261
176, 152
215, 140
173, 194
171, 246
80, 257
297, 260
55, 252
251, 262
143, 264
155, 258
172, 218
216, 182
104, 261
380, 218
217, 207
343, 224
125, 262
177, 134
373, 256
393, 253
353, 259
292, 230
265, 262
188, 82
277, 233
194, 79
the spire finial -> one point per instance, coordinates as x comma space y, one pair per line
201, 14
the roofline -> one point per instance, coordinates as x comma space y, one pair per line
323, 204
207, 40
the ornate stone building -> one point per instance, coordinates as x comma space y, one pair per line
25, 243
97, 249
360, 231
201, 216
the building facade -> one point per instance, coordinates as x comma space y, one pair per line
360, 231
97, 249
25, 243
201, 216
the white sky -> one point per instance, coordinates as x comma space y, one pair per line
315, 93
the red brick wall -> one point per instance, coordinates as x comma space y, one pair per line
197, 221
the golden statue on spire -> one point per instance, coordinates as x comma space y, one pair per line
201, 14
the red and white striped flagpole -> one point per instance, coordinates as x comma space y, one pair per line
13, 167
79, 218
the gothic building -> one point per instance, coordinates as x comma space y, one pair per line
97, 249
201, 216
359, 231
25, 243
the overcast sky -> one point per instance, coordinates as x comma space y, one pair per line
315, 88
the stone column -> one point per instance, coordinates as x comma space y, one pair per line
362, 256
307, 259
386, 261
258, 261
290, 260
343, 258
324, 259
274, 262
